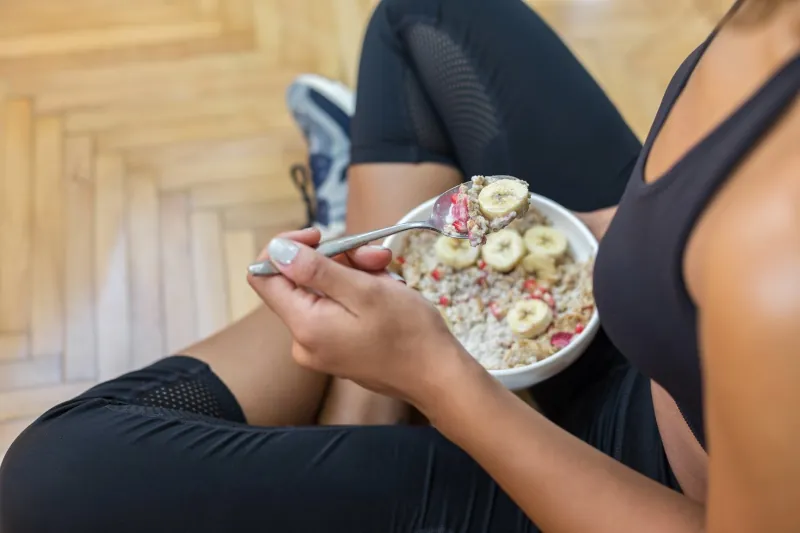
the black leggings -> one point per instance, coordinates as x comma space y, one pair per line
483, 85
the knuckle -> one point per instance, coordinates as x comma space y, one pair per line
313, 270
305, 334
375, 290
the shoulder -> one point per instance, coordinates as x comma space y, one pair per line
751, 262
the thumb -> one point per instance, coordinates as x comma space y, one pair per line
308, 268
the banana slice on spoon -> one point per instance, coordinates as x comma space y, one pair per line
503, 250
529, 318
504, 200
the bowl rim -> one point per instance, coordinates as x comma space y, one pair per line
594, 322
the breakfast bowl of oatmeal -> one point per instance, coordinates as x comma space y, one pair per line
518, 298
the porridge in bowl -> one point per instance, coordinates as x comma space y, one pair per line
516, 299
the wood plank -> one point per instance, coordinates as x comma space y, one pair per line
22, 70
16, 209
190, 164
47, 307
240, 251
267, 18
237, 15
115, 117
209, 273
105, 38
167, 81
242, 124
237, 192
21, 18
35, 401
267, 214
177, 273
111, 268
208, 7
30, 372
14, 346
80, 338
147, 339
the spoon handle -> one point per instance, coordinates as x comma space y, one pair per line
333, 247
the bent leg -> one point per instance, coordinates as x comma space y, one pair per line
253, 358
487, 87
164, 449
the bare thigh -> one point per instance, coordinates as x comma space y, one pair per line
253, 358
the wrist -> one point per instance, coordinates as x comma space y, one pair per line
457, 375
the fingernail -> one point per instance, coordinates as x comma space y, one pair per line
282, 251
377, 247
397, 277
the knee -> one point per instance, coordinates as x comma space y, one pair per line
391, 17
49, 477
30, 484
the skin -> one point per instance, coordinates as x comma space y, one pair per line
253, 355
741, 268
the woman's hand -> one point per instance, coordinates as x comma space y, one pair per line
370, 328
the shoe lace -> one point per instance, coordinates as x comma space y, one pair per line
300, 177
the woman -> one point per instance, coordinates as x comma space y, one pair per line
715, 188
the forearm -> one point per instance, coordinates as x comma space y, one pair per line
563, 484
598, 221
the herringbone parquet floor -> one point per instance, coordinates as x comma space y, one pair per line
144, 149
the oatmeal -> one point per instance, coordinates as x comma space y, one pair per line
517, 299
486, 205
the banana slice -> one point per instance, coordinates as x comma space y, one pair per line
503, 250
456, 253
529, 318
543, 267
544, 240
504, 197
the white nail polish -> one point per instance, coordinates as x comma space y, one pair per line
282, 251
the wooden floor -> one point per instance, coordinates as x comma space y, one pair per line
144, 155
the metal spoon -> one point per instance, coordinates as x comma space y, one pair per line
438, 221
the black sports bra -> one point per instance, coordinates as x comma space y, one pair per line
638, 281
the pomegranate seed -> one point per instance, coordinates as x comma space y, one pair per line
496, 310
481, 264
401, 259
579, 328
460, 211
460, 226
454, 198
537, 293
529, 285
444, 300
435, 274
561, 339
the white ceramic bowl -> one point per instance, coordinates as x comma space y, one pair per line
582, 245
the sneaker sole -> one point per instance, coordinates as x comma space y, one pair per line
334, 91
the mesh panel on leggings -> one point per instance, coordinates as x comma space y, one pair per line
451, 82
192, 396
427, 125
